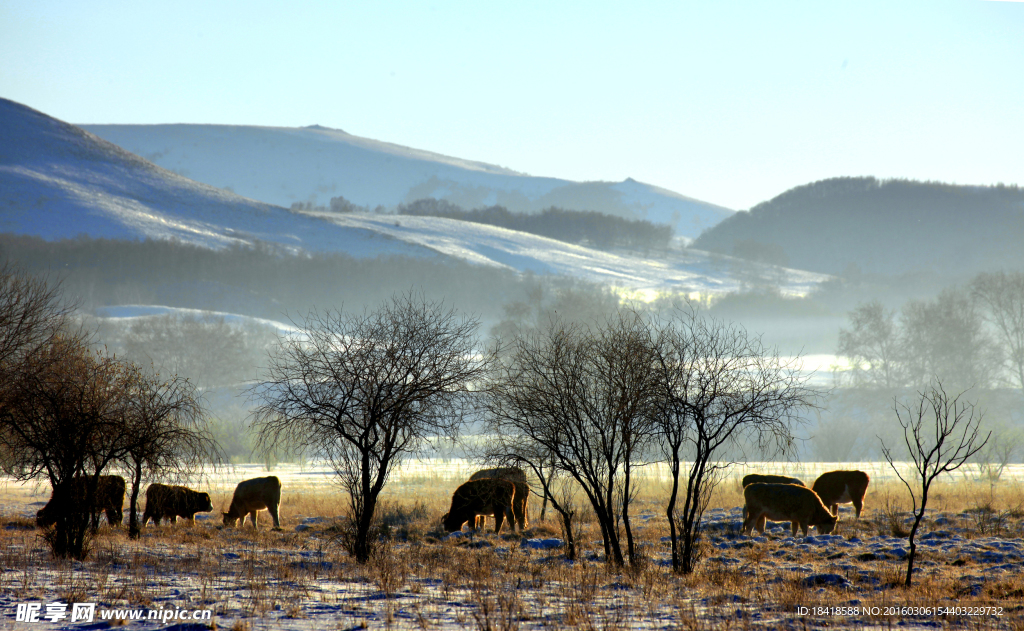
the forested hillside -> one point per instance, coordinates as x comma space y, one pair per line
888, 227
591, 228
252, 281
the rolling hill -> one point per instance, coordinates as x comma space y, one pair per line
888, 228
59, 181
280, 165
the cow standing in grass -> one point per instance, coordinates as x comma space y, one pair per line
517, 477
490, 496
842, 487
252, 496
755, 478
173, 502
109, 499
785, 502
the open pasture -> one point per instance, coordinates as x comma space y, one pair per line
970, 556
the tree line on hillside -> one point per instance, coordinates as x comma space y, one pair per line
258, 281
890, 227
591, 228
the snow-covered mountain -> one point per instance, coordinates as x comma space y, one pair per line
281, 165
58, 181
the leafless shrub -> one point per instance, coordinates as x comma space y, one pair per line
584, 399
365, 390
944, 444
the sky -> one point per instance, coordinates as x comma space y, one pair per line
727, 102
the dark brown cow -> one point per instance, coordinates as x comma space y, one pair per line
786, 502
842, 487
252, 496
490, 496
173, 502
520, 506
109, 499
754, 478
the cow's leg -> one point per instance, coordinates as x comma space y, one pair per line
748, 525
272, 509
762, 521
174, 519
858, 504
252, 516
499, 518
834, 509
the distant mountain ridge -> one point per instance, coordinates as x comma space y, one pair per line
282, 165
888, 227
58, 182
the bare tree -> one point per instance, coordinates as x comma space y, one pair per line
64, 418
1003, 447
165, 433
365, 390
946, 338
1002, 295
586, 398
941, 433
207, 349
32, 313
720, 387
872, 347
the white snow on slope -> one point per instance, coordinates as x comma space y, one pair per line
686, 270
281, 165
58, 182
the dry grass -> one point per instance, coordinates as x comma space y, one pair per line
418, 579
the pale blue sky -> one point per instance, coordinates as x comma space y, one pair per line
729, 102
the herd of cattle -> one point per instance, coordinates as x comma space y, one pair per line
500, 493
171, 502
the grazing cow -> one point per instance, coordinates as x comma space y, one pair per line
754, 478
842, 487
173, 502
785, 502
516, 476
490, 496
109, 499
252, 496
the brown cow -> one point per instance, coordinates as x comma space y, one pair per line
252, 496
173, 502
785, 502
109, 499
490, 496
516, 476
842, 487
754, 478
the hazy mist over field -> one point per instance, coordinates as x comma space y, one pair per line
607, 259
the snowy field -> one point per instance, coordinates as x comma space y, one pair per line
300, 578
